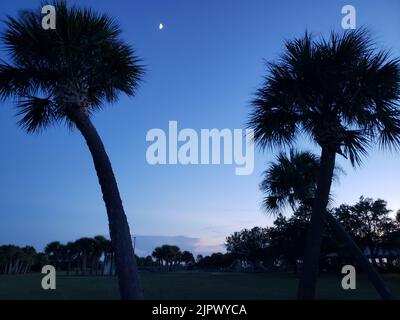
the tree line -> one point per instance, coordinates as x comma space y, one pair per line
282, 245
278, 247
169, 257
17, 260
87, 257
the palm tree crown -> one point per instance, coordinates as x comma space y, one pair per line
82, 63
340, 92
291, 179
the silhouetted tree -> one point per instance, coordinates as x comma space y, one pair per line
248, 244
367, 221
342, 94
65, 75
187, 257
54, 252
292, 180
158, 254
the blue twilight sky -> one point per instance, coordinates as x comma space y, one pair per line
203, 68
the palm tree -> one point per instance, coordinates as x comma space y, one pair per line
102, 247
341, 93
108, 257
65, 75
158, 254
292, 180
71, 253
187, 257
53, 251
86, 249
29, 254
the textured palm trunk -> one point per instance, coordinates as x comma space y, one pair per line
28, 268
362, 261
110, 273
103, 267
308, 280
9, 271
84, 260
128, 276
69, 267
16, 267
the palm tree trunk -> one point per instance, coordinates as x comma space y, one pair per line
308, 280
103, 267
16, 266
84, 261
10, 267
28, 268
111, 265
68, 264
372, 273
128, 276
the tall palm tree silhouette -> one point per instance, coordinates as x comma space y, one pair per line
341, 93
292, 180
65, 75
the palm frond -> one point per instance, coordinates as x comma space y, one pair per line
85, 52
341, 91
37, 113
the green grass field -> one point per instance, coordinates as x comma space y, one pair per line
189, 285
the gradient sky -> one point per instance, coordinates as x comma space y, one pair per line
203, 68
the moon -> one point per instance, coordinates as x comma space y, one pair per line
161, 26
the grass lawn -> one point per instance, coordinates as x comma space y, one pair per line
189, 285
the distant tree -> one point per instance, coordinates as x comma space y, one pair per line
3, 260
148, 261
71, 254
216, 261
41, 259
248, 244
167, 256
199, 257
16, 260
85, 246
103, 249
287, 238
28, 258
54, 251
172, 255
158, 254
187, 257
10, 255
145, 261
367, 221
